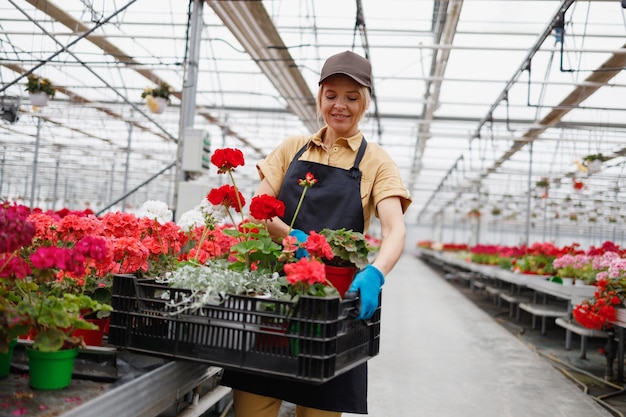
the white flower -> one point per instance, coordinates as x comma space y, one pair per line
190, 220
218, 212
156, 210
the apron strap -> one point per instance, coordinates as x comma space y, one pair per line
354, 171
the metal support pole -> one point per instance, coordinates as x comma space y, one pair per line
35, 162
190, 86
611, 351
530, 190
110, 197
130, 131
4, 154
65, 190
56, 183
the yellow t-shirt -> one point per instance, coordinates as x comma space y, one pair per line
380, 176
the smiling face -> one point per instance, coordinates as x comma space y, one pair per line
342, 104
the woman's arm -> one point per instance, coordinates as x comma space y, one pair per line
393, 234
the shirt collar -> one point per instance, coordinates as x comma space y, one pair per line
353, 141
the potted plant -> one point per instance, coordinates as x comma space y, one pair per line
16, 232
213, 281
39, 90
610, 278
593, 162
12, 325
349, 248
351, 251
41, 266
157, 98
542, 187
474, 214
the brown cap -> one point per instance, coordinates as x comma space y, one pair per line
350, 64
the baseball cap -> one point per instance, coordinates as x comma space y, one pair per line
350, 64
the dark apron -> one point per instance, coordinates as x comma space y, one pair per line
334, 202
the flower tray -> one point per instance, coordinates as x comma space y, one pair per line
314, 339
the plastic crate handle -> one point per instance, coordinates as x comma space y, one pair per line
354, 295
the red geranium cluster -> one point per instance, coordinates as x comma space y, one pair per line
308, 275
227, 159
265, 207
227, 196
598, 312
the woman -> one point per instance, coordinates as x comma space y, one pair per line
356, 180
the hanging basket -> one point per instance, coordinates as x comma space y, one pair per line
156, 105
594, 166
38, 99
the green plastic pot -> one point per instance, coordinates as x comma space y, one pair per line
5, 360
50, 370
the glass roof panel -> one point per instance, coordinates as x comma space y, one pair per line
462, 89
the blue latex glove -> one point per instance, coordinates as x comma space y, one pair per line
368, 283
301, 237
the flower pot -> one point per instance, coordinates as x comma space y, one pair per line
5, 360
594, 166
50, 370
38, 99
340, 276
156, 105
30, 335
93, 337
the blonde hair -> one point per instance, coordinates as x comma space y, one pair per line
366, 99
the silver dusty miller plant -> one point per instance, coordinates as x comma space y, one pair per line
211, 283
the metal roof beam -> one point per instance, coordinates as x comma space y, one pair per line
250, 23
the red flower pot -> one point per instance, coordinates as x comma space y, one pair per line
341, 277
93, 337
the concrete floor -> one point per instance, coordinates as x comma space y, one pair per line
441, 355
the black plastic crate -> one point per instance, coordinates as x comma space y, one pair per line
313, 339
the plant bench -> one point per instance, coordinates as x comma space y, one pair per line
495, 292
477, 283
544, 311
514, 302
571, 326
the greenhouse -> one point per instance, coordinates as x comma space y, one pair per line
496, 128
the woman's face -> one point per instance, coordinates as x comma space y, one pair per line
342, 105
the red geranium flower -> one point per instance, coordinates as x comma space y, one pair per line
578, 185
226, 196
308, 181
317, 245
305, 272
227, 159
266, 207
